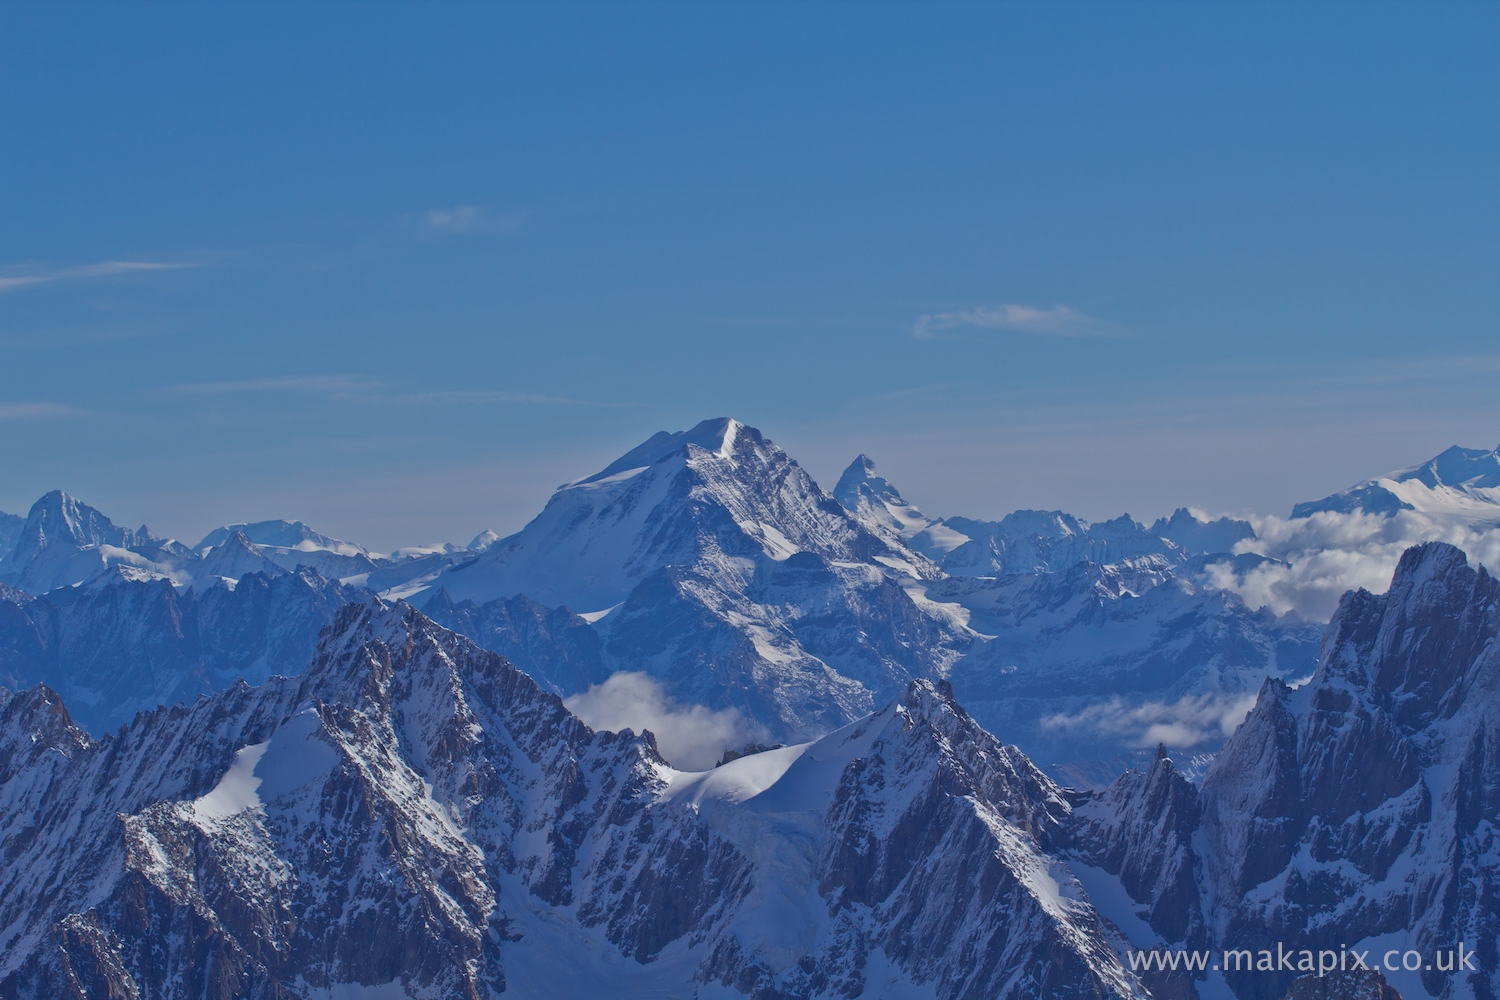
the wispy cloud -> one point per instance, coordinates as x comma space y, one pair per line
35, 411
1184, 723
448, 396
1059, 321
16, 278
366, 389
335, 384
466, 219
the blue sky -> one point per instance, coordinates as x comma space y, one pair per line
400, 270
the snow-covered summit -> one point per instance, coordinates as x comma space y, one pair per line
860, 482
716, 435
1461, 483
872, 499
719, 497
58, 518
63, 542
712, 561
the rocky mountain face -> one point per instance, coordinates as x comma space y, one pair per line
559, 649
115, 650
1360, 809
60, 538
412, 816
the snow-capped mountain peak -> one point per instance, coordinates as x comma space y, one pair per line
1461, 483
876, 503
720, 492
60, 518
716, 435
483, 540
860, 480
292, 535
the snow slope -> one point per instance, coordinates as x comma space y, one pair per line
1461, 483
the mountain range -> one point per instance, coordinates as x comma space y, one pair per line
709, 561
413, 816
414, 813
277, 764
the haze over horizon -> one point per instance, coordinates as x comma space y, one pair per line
399, 272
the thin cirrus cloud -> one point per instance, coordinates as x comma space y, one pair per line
19, 279
35, 411
470, 396
363, 388
1058, 321
333, 384
465, 219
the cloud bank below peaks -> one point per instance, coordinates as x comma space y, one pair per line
1328, 553
691, 737
1182, 724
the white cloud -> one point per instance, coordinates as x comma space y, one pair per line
692, 737
34, 411
292, 383
1181, 724
1330, 553
466, 219
1059, 321
18, 279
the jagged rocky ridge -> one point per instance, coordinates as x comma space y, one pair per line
413, 810
1360, 809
